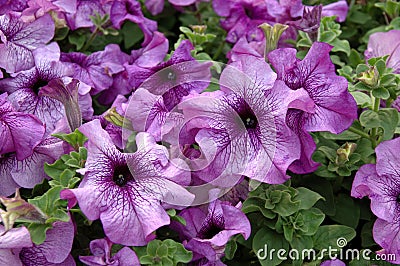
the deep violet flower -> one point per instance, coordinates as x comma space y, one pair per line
323, 102
385, 43
101, 250
19, 39
124, 190
381, 183
6, 6
24, 88
162, 87
309, 22
122, 10
156, 6
98, 68
38, 8
28, 172
84, 10
244, 16
334, 262
149, 56
19, 132
208, 232
16, 247
248, 130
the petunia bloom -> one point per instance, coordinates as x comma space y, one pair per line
122, 10
385, 43
16, 247
163, 87
208, 232
24, 88
101, 250
247, 134
28, 172
19, 39
19, 132
381, 183
124, 190
322, 101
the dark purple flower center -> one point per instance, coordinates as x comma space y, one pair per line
33, 257
248, 118
211, 227
38, 85
398, 199
122, 175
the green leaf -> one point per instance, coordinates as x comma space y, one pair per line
152, 247
361, 98
38, 232
162, 250
307, 198
77, 40
264, 241
132, 34
312, 219
230, 249
330, 235
254, 204
369, 119
348, 212
389, 119
61, 33
341, 46
54, 170
76, 139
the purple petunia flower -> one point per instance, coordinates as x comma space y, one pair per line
7, 6
38, 8
381, 183
207, 233
244, 16
84, 10
16, 247
28, 172
385, 43
19, 132
310, 21
124, 190
97, 69
338, 9
122, 10
334, 262
24, 88
19, 39
156, 6
101, 250
322, 101
247, 135
162, 87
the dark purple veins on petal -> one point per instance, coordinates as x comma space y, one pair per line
122, 175
33, 257
211, 227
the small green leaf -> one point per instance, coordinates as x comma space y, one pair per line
369, 119
307, 197
230, 249
330, 235
38, 232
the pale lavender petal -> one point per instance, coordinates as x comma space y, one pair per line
15, 238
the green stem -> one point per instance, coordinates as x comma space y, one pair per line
91, 38
359, 132
375, 108
219, 51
